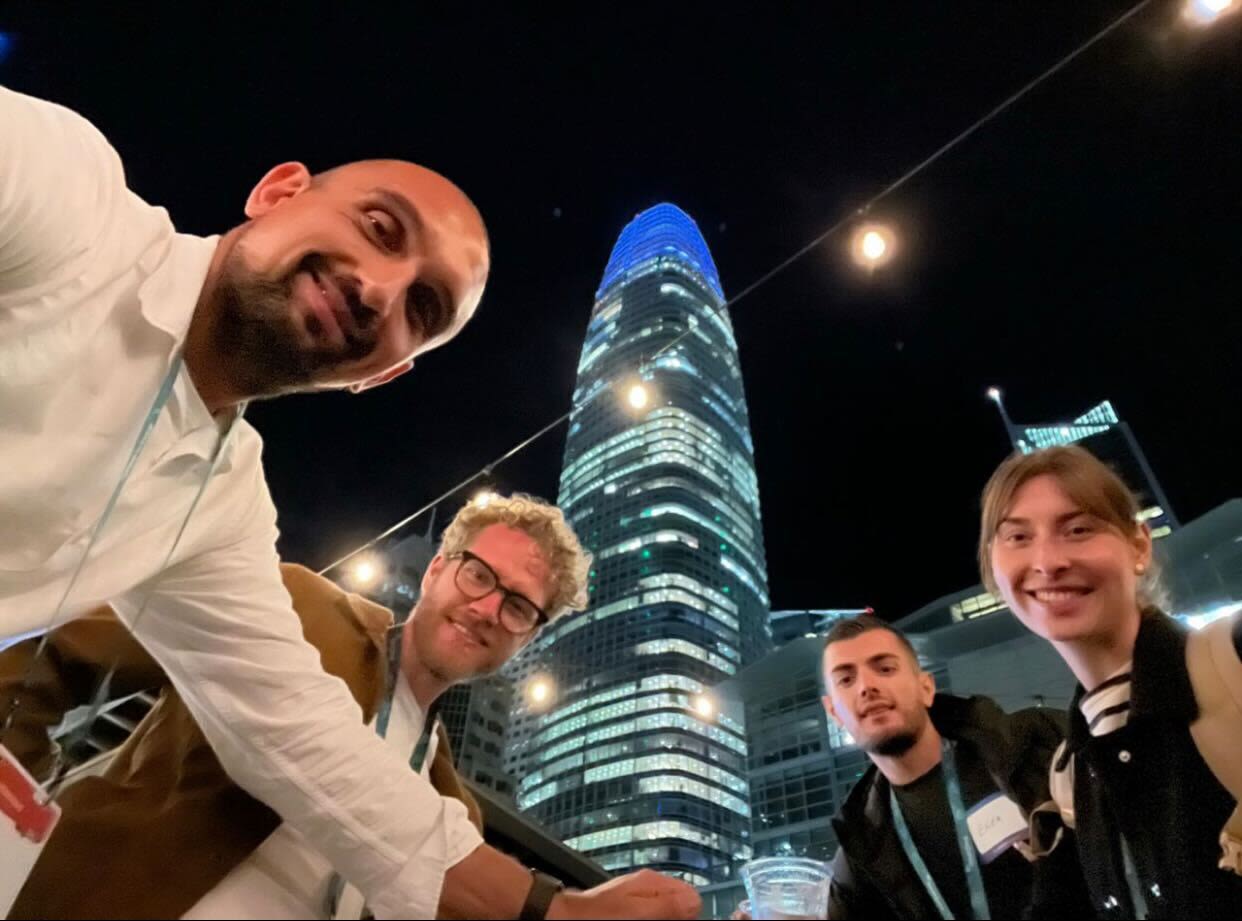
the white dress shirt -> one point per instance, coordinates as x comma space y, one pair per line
96, 293
286, 877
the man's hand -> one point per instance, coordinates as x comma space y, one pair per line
645, 894
741, 913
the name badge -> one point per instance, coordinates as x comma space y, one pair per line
26, 822
995, 824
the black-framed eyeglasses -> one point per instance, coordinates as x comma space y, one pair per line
476, 579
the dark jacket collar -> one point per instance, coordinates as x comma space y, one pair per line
1006, 743
1160, 685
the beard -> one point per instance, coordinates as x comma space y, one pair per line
900, 739
258, 332
452, 667
892, 746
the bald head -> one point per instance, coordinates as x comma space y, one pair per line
341, 279
433, 202
398, 171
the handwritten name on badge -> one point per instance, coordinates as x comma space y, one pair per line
995, 824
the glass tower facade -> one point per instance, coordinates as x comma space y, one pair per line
631, 766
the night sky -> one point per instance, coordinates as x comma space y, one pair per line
1083, 246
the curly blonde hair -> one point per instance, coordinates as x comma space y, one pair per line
545, 524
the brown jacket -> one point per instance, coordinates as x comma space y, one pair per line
164, 823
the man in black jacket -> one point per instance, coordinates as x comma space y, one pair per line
938, 827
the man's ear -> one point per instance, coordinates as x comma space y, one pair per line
383, 378
830, 709
927, 688
280, 184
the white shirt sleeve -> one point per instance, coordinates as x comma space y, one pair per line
61, 185
291, 735
463, 837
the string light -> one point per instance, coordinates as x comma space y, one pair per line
832, 230
540, 691
1206, 12
637, 396
704, 706
365, 571
873, 245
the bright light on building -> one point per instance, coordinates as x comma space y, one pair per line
994, 394
483, 498
873, 245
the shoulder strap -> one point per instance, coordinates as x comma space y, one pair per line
1049, 819
1216, 676
1061, 783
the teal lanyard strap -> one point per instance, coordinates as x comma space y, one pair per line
102, 692
392, 670
144, 434
916, 859
392, 674
965, 844
391, 677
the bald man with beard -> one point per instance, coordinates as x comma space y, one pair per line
128, 351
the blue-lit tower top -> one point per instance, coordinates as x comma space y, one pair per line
664, 230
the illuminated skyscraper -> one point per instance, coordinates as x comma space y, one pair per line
630, 766
1109, 438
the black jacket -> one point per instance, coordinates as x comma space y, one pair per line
1148, 780
871, 876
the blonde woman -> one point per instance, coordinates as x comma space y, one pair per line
1060, 541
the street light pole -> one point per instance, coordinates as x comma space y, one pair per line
1011, 430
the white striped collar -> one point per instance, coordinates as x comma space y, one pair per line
1107, 707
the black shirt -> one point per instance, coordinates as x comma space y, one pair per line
925, 807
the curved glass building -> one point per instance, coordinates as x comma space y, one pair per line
631, 765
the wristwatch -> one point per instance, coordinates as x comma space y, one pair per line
542, 890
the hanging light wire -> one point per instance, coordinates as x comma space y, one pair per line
763, 279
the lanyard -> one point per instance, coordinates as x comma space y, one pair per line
392, 676
965, 844
144, 435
